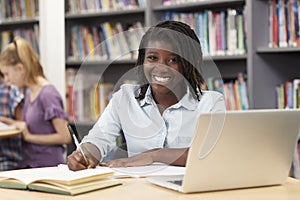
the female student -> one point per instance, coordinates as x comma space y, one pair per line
44, 121
158, 116
11, 100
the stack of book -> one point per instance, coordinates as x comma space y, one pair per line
288, 94
235, 92
104, 42
220, 32
82, 6
31, 35
86, 100
16, 10
284, 23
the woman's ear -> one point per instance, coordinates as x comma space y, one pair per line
20, 67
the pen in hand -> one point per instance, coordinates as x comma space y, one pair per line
77, 144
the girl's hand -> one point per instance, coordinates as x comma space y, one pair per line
22, 126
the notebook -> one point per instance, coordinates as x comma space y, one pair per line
238, 149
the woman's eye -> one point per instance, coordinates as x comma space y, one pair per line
151, 58
173, 60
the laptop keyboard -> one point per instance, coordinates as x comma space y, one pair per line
176, 182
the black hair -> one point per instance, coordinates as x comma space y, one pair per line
186, 46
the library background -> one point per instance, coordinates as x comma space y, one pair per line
253, 44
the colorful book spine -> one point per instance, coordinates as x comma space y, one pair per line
287, 94
83, 6
234, 91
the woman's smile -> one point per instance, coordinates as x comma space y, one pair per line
163, 79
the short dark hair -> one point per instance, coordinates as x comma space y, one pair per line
185, 44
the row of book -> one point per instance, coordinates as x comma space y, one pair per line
220, 32
284, 23
288, 94
18, 9
82, 6
104, 41
86, 98
31, 35
234, 91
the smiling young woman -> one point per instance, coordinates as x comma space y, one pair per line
158, 115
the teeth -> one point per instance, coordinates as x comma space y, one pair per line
161, 78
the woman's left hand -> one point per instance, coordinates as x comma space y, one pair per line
138, 160
175, 156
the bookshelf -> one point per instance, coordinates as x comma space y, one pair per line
39, 27
228, 66
19, 19
264, 67
267, 67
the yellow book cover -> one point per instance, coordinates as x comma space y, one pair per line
58, 180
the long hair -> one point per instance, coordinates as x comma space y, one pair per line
19, 51
186, 46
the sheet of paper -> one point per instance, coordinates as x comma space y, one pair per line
156, 169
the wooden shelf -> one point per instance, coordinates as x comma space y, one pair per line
199, 4
19, 21
102, 62
101, 13
225, 57
262, 50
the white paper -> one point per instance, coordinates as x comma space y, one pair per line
156, 169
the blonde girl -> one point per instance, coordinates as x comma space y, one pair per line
43, 124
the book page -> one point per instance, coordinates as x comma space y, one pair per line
56, 174
5, 127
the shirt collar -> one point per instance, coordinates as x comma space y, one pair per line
148, 98
188, 101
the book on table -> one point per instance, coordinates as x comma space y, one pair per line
8, 130
5, 127
58, 180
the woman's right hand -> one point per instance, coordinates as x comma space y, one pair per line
76, 160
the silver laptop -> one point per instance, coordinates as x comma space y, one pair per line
238, 149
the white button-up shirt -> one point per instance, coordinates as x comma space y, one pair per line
144, 127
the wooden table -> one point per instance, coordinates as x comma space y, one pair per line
9, 133
140, 189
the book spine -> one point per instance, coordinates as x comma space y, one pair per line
275, 26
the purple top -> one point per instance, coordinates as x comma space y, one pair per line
38, 115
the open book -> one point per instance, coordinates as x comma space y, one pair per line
5, 127
58, 180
